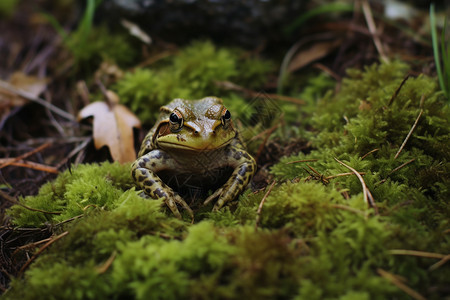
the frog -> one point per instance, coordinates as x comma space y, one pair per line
193, 141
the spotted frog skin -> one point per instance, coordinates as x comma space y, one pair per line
193, 141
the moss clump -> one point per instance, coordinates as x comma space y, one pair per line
90, 49
364, 126
315, 237
191, 74
74, 192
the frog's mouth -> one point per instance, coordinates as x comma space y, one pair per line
195, 147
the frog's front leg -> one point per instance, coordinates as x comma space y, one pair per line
144, 171
244, 167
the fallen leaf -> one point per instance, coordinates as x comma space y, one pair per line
9, 98
113, 127
318, 50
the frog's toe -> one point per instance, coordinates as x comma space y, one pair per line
142, 194
183, 204
219, 204
173, 207
216, 194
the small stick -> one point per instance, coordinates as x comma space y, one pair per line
393, 279
439, 263
401, 166
344, 174
31, 245
56, 238
394, 95
25, 155
14, 200
300, 161
366, 193
417, 253
258, 212
102, 269
28, 164
370, 152
373, 29
409, 133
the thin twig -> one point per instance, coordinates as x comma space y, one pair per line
409, 133
56, 238
343, 174
417, 253
370, 152
439, 263
373, 29
38, 100
25, 155
69, 220
15, 201
401, 166
32, 245
103, 268
368, 198
394, 279
317, 175
394, 95
28, 164
301, 161
258, 212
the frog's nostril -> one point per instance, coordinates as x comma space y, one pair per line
213, 132
196, 132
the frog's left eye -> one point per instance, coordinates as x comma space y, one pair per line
176, 121
227, 115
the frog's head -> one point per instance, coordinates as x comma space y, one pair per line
201, 125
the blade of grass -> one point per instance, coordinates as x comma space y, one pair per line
434, 40
445, 52
88, 17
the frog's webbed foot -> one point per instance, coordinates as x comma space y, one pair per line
144, 173
234, 186
216, 194
172, 202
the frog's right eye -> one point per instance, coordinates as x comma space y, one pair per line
176, 121
174, 118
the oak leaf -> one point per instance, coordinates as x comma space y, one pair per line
113, 127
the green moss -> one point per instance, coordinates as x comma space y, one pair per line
74, 192
314, 238
7, 7
191, 74
89, 50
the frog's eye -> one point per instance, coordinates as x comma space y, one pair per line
226, 117
176, 120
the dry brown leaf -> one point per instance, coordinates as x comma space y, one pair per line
318, 50
19, 81
113, 127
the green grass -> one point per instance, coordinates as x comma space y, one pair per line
442, 67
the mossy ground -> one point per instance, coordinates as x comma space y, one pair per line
315, 237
